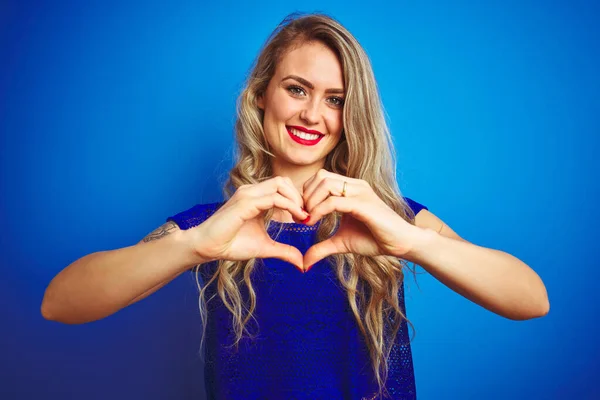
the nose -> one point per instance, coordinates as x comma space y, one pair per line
310, 113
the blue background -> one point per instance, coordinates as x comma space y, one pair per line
114, 116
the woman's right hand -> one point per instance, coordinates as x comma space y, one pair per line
236, 231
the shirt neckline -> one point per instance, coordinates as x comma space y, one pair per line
293, 226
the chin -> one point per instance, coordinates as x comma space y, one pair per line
303, 161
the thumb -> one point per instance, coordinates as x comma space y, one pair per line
283, 252
319, 251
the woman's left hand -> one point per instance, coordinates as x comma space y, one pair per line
368, 226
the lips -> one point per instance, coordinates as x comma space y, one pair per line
304, 141
303, 129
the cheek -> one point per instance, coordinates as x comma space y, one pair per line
335, 123
282, 107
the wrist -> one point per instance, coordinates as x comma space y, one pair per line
188, 243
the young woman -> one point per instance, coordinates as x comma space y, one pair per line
313, 188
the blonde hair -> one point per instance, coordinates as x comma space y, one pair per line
365, 152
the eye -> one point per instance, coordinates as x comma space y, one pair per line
295, 90
337, 101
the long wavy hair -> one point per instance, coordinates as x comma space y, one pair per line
365, 151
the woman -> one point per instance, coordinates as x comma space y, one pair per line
313, 187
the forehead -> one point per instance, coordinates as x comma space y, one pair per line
315, 62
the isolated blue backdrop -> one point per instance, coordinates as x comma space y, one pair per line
114, 116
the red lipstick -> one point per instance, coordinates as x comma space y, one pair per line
305, 142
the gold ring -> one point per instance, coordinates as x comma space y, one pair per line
344, 190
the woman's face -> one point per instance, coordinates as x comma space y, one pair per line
303, 106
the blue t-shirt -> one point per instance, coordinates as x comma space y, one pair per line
308, 344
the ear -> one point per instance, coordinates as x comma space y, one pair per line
260, 101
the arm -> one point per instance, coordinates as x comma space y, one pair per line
99, 284
156, 234
491, 278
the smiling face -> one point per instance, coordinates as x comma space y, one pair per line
303, 106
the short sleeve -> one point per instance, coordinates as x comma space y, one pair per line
415, 207
194, 216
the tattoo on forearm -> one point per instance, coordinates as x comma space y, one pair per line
161, 231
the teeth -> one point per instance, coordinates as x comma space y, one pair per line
304, 135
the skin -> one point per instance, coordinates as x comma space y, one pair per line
491, 278
307, 90
291, 102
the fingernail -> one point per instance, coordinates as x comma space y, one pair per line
306, 219
307, 269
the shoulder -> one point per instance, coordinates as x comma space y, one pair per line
415, 206
425, 219
195, 215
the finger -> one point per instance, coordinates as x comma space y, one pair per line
331, 204
277, 184
277, 200
283, 252
327, 187
335, 188
251, 207
310, 185
294, 192
319, 251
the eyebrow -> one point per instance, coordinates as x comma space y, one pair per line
310, 85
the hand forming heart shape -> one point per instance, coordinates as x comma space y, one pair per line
368, 226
